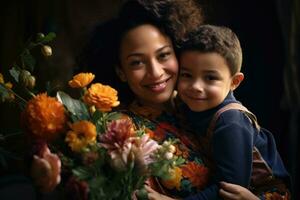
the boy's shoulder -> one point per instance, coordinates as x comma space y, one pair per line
234, 113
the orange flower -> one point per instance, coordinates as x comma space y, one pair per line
174, 181
44, 117
82, 134
181, 150
103, 97
198, 174
81, 80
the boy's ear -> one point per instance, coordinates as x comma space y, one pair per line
120, 74
236, 80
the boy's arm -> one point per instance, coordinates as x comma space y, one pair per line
232, 144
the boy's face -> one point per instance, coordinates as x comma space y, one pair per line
205, 80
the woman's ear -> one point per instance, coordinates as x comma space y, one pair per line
120, 74
236, 80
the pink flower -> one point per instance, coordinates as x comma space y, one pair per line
118, 131
143, 149
117, 141
45, 169
122, 157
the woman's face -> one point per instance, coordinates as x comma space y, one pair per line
148, 64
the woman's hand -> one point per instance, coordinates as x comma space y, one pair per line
230, 191
153, 195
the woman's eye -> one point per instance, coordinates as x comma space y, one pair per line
136, 63
164, 55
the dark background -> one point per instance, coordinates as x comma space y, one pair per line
268, 31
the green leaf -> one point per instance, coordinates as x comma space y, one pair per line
77, 108
48, 38
82, 173
28, 60
113, 116
15, 72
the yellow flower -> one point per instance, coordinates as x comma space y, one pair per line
81, 80
175, 180
103, 97
44, 117
1, 79
82, 134
8, 85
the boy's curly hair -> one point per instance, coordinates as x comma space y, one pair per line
216, 39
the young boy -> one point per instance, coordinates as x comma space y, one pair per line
240, 151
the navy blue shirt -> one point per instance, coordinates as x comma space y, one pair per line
232, 143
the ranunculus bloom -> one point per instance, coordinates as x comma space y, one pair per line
45, 170
103, 97
82, 134
44, 117
81, 80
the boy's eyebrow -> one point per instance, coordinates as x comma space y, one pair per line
183, 68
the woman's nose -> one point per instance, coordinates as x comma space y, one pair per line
155, 69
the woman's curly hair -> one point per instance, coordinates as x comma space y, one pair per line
175, 18
179, 17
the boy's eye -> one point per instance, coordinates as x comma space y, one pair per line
185, 75
211, 77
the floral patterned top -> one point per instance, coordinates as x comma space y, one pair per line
190, 175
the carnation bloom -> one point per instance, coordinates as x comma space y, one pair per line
117, 141
103, 97
198, 174
118, 131
81, 80
82, 134
45, 169
44, 117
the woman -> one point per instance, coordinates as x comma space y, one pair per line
138, 48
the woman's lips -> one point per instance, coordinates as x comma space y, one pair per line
159, 86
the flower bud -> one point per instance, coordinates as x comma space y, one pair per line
26, 79
172, 148
166, 143
168, 155
40, 36
46, 50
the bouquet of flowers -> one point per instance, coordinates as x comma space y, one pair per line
81, 144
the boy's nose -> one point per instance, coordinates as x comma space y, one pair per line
198, 86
